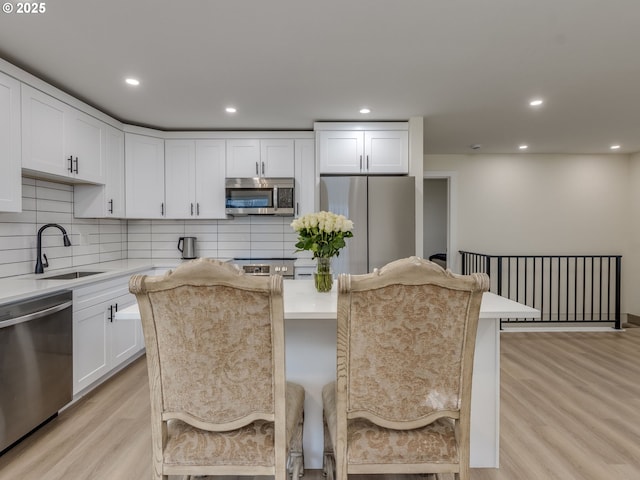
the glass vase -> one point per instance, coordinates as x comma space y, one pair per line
323, 276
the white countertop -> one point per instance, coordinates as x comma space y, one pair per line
24, 286
303, 302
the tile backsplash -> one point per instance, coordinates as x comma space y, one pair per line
101, 240
92, 240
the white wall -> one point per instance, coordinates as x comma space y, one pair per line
549, 204
631, 262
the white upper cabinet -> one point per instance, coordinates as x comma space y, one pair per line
144, 176
362, 150
61, 141
10, 147
105, 201
305, 177
260, 158
194, 176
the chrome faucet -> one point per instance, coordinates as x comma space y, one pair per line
65, 239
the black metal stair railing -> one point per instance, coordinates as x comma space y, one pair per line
580, 289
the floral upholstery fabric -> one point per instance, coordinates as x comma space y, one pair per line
368, 443
416, 332
217, 371
249, 445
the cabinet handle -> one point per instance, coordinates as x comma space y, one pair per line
111, 206
257, 172
367, 163
192, 209
297, 209
263, 168
70, 164
112, 309
162, 209
76, 170
360, 162
197, 209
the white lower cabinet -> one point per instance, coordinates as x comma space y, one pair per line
100, 342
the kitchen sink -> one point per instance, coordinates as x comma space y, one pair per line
68, 276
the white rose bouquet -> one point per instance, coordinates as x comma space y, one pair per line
323, 233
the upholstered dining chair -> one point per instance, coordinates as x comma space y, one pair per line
220, 404
401, 402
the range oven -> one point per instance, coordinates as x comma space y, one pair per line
259, 196
267, 266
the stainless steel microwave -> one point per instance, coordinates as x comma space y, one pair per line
259, 196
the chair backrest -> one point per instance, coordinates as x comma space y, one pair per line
215, 344
406, 337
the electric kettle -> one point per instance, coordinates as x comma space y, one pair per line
187, 245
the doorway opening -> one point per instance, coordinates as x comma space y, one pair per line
439, 232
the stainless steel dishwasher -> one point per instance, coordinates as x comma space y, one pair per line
36, 364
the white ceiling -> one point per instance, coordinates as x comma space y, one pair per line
469, 67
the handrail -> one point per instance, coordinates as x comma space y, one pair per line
565, 288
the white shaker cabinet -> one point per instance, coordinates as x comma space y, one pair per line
10, 146
144, 176
100, 342
194, 178
363, 151
247, 158
105, 201
305, 176
61, 141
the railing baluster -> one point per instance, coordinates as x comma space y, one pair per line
544, 282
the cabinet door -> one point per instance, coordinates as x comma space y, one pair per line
243, 158
114, 187
86, 143
90, 345
209, 178
305, 176
144, 176
125, 334
43, 133
179, 165
10, 147
276, 158
104, 201
386, 151
341, 151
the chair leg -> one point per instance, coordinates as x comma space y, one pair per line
329, 466
296, 451
328, 459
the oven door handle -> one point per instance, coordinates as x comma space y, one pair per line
36, 315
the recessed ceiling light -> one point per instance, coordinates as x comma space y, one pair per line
523, 147
133, 81
536, 102
365, 110
230, 110
614, 147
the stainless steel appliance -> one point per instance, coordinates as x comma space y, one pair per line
383, 213
36, 364
259, 196
187, 245
267, 266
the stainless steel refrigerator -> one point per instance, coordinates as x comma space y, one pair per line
383, 213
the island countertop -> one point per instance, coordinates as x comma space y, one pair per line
303, 302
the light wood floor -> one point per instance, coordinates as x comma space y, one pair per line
570, 411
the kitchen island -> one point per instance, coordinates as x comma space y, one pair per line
310, 337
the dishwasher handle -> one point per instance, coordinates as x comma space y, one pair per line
36, 315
